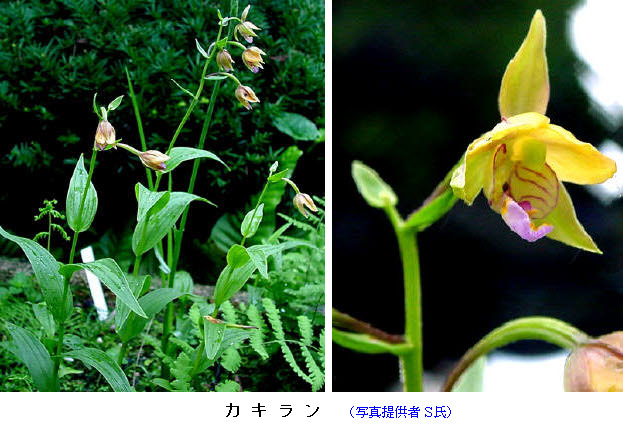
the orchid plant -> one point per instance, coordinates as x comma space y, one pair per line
161, 220
520, 166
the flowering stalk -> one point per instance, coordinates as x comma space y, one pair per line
547, 329
72, 252
411, 360
173, 257
192, 105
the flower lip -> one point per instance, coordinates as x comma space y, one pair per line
246, 96
252, 58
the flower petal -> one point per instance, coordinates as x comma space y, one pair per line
575, 161
525, 85
567, 228
471, 174
518, 220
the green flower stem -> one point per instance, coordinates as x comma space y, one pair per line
122, 352
130, 149
411, 361
197, 359
231, 76
137, 265
547, 329
139, 123
72, 252
179, 235
292, 184
237, 44
192, 105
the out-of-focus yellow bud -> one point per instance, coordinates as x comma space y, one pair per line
104, 135
245, 28
154, 159
225, 61
596, 365
252, 58
302, 201
246, 95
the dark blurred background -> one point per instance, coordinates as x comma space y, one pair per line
414, 83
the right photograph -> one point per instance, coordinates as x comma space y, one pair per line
477, 233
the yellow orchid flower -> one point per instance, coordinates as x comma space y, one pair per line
520, 164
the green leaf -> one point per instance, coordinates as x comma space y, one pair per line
237, 256
251, 221
122, 311
182, 154
296, 126
44, 317
152, 303
217, 77
152, 228
110, 274
46, 271
200, 49
278, 176
525, 85
29, 350
213, 334
259, 258
432, 212
183, 282
274, 193
163, 383
115, 103
77, 222
149, 202
364, 343
104, 364
472, 379
231, 280
376, 192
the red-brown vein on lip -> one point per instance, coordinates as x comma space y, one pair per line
545, 190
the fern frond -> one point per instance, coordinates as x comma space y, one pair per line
227, 386
306, 329
229, 312
257, 336
231, 360
316, 375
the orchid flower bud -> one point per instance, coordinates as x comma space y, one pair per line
104, 136
302, 201
245, 28
246, 95
252, 58
596, 365
225, 61
154, 159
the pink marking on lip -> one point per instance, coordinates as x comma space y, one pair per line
517, 219
525, 205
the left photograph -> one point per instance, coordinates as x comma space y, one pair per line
163, 204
